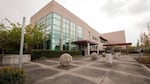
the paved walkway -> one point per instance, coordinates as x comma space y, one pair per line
124, 70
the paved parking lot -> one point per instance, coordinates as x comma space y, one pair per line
124, 70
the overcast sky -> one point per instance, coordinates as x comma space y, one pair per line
102, 15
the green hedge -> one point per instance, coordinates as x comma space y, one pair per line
12, 75
37, 54
146, 50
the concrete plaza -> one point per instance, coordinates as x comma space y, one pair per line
83, 70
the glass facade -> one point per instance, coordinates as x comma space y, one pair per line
65, 31
54, 27
73, 35
79, 33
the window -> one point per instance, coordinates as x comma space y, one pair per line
48, 28
49, 19
56, 16
72, 28
49, 16
65, 21
56, 32
79, 32
56, 36
55, 27
55, 47
102, 41
56, 22
65, 26
42, 21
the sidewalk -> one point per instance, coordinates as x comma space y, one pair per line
85, 71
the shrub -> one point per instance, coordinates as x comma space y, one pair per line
146, 50
12, 75
42, 58
36, 54
144, 60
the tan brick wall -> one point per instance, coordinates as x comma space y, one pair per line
115, 37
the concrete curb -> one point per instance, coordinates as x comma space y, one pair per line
148, 69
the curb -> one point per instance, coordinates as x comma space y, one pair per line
148, 69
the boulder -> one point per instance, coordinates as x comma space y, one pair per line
103, 54
117, 55
94, 56
65, 59
108, 58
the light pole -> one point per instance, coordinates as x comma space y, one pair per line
21, 43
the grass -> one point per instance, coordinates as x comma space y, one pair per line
144, 60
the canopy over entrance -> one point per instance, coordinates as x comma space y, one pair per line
84, 45
80, 42
102, 38
117, 44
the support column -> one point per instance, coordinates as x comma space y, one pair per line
69, 36
88, 49
97, 49
112, 50
61, 34
127, 49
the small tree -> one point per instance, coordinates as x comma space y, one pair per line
145, 37
33, 36
10, 36
144, 40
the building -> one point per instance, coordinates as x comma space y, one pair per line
116, 37
65, 31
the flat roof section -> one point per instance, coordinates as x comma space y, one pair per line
85, 42
117, 44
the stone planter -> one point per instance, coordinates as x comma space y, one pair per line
108, 58
14, 59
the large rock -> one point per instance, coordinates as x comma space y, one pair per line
108, 58
65, 59
103, 54
94, 56
117, 55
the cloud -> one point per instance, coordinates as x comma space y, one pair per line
15, 10
114, 7
122, 7
139, 7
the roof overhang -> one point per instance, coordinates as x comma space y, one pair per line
103, 38
117, 44
80, 42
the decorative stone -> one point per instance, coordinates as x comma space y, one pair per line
117, 55
108, 58
103, 54
94, 56
65, 59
